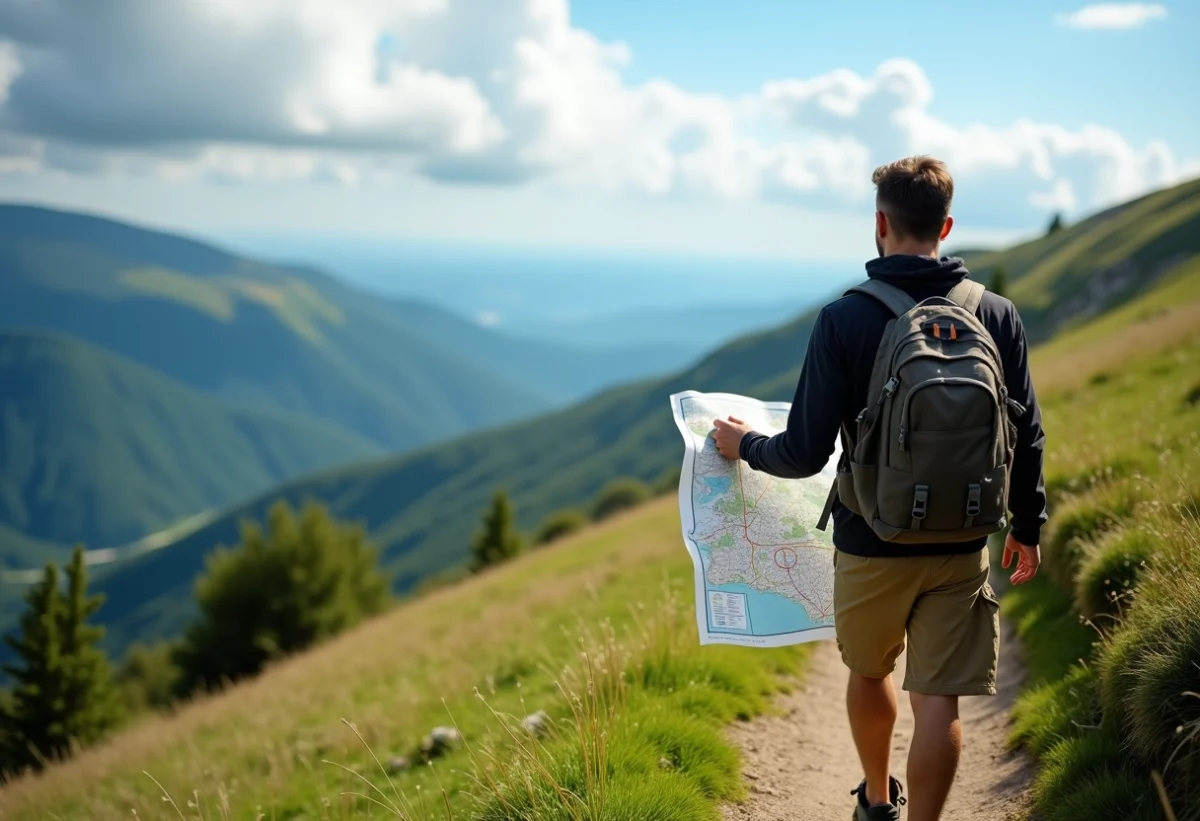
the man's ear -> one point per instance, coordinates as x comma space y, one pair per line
946, 228
881, 224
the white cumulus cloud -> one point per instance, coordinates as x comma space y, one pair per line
1113, 15
504, 92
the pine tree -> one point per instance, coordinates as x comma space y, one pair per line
300, 580
63, 693
89, 696
999, 283
497, 540
1056, 224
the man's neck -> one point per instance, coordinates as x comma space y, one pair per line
916, 250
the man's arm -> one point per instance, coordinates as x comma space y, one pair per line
1027, 487
816, 414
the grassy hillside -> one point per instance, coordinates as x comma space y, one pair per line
1067, 277
1110, 627
504, 642
101, 449
423, 507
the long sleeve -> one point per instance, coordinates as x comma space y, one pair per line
815, 417
1027, 488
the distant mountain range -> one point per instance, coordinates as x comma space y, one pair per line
422, 507
159, 376
98, 444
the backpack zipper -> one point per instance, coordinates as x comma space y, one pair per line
937, 380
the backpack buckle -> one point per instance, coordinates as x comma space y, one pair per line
974, 496
920, 504
974, 492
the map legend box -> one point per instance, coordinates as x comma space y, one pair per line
728, 610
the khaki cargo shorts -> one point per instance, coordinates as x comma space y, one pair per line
943, 603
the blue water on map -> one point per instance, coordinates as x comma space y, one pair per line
769, 613
714, 487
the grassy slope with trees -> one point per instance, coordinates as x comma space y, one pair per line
507, 643
414, 505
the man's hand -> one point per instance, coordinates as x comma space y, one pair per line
1028, 559
728, 436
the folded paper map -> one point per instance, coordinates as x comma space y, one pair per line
764, 573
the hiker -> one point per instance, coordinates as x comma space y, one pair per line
941, 439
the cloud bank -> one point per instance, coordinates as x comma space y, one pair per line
496, 92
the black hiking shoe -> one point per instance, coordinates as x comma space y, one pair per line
882, 812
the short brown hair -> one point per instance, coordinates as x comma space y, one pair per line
915, 193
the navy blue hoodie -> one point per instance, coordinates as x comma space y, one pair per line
833, 389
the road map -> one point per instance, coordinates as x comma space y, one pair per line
764, 573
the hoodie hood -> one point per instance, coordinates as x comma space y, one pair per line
912, 268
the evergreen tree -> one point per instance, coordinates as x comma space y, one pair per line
63, 693
1056, 224
498, 539
307, 578
999, 283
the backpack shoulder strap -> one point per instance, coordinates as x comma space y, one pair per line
967, 294
897, 301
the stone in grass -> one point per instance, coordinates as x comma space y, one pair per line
537, 724
398, 764
440, 741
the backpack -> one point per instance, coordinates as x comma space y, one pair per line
929, 457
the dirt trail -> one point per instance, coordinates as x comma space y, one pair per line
801, 765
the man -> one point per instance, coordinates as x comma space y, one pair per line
937, 594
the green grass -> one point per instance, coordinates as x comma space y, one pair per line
1105, 698
598, 630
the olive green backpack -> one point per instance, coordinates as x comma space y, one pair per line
929, 457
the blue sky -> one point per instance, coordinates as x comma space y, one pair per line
992, 62
698, 126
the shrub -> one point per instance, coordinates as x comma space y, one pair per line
1056, 710
668, 482
1121, 796
560, 524
1109, 572
148, 677
307, 578
1084, 518
1152, 662
618, 495
1164, 673
1091, 754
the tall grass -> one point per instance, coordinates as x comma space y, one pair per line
598, 631
1112, 629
